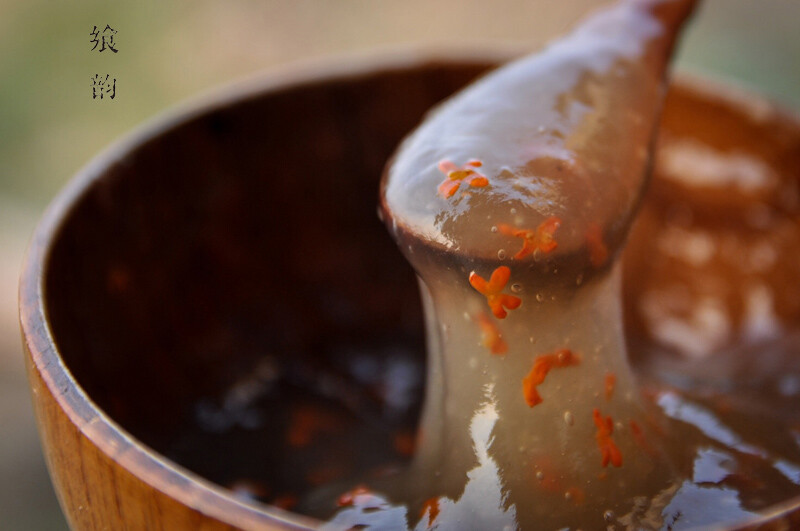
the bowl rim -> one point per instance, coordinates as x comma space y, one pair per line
96, 425
110, 438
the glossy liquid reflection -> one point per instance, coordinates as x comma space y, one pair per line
550, 152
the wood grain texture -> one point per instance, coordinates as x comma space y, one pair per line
90, 341
105, 476
106, 480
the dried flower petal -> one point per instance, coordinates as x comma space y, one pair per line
532, 240
455, 175
498, 302
609, 450
541, 366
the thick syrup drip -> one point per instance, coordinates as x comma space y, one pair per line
512, 202
553, 151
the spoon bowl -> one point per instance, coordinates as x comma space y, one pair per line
238, 228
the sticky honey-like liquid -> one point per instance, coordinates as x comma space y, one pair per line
701, 392
512, 202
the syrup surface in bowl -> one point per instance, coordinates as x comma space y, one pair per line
532, 417
220, 425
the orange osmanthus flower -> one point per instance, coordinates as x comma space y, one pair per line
541, 366
491, 337
431, 508
532, 240
455, 175
609, 450
498, 302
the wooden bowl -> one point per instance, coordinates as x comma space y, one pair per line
241, 227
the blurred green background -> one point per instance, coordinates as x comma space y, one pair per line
172, 49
